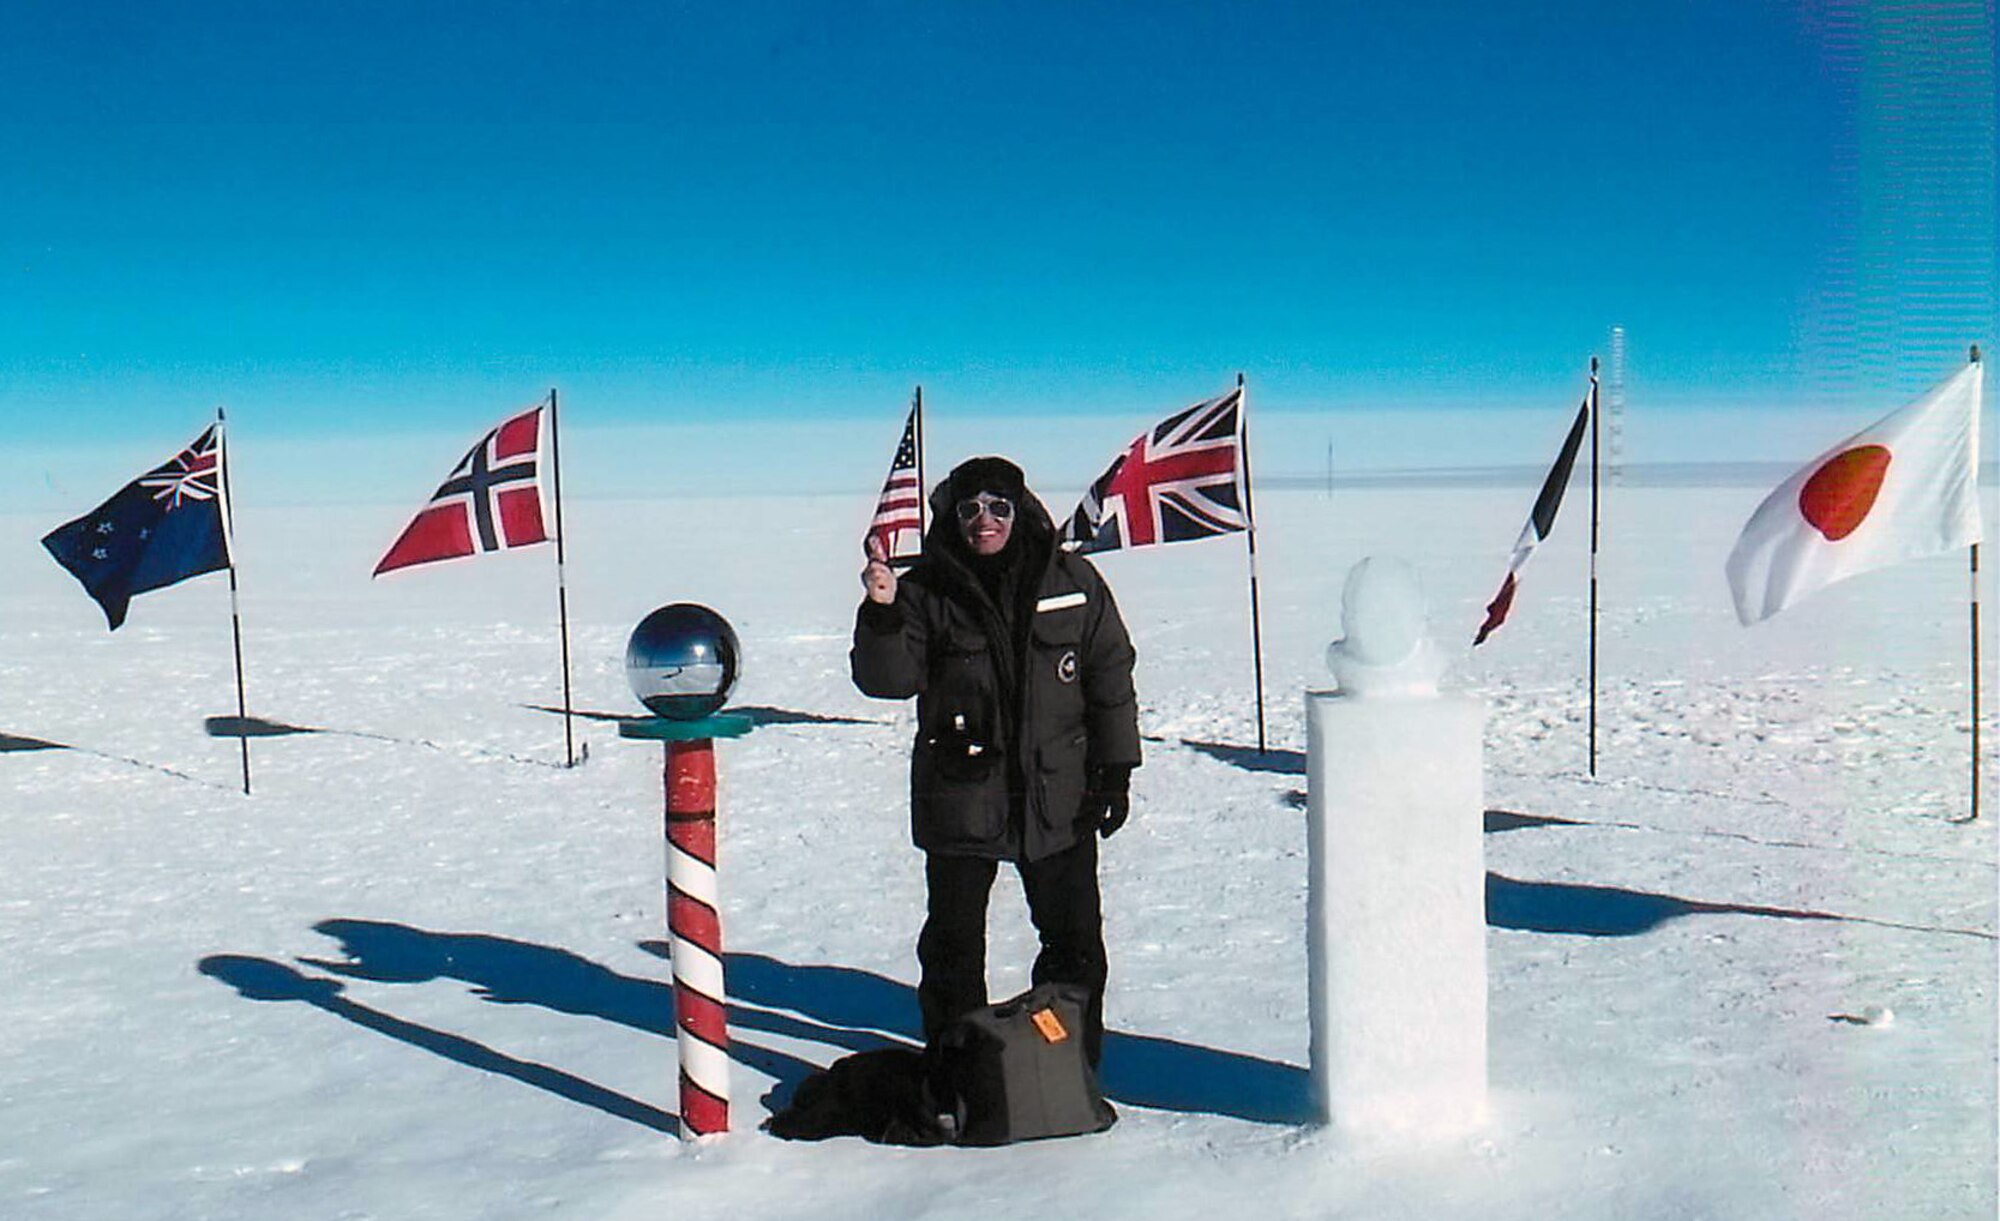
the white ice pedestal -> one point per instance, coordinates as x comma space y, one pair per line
1396, 911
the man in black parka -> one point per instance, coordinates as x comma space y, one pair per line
1027, 730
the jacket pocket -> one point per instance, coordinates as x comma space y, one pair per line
1059, 627
1060, 778
1055, 676
961, 740
962, 730
956, 804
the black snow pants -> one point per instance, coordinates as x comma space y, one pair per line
1062, 903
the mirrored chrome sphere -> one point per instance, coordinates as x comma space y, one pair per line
682, 661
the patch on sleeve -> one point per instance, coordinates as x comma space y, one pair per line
1056, 602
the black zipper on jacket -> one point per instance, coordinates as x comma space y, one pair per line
1011, 670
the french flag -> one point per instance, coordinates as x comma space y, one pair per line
1540, 522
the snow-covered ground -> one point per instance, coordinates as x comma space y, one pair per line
417, 974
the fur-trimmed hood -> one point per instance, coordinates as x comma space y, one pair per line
1034, 530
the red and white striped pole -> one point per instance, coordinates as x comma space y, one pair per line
682, 660
694, 920
694, 924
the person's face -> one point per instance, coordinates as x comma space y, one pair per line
986, 522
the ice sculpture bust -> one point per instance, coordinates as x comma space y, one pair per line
1387, 651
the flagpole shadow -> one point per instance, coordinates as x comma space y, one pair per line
251, 727
1249, 758
18, 744
760, 715
1610, 911
262, 727
12, 744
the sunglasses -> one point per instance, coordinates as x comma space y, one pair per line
998, 507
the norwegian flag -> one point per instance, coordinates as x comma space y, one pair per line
1173, 483
491, 502
1540, 522
899, 513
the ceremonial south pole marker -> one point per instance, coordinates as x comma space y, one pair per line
682, 661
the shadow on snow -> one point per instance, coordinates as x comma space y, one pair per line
1556, 907
848, 1009
260, 979
264, 727
760, 715
1249, 758
1607, 911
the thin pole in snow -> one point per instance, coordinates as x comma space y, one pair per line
1975, 683
1593, 566
1250, 534
235, 609
1975, 649
562, 584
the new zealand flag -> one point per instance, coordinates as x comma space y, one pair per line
161, 528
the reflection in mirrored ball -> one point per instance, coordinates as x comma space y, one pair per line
682, 661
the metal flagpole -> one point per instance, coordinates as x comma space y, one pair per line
1593, 566
1975, 641
1975, 684
1250, 534
235, 609
562, 584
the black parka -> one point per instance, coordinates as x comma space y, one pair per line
1018, 697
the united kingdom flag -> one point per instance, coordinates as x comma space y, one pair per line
491, 502
1175, 482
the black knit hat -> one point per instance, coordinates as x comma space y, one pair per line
994, 476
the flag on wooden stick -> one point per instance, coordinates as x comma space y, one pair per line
898, 526
1540, 522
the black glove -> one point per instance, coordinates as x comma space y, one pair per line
1107, 798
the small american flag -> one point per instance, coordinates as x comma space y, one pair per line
491, 502
1175, 482
899, 513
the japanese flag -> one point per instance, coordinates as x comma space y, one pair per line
1899, 490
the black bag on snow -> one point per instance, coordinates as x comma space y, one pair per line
881, 1096
1016, 1070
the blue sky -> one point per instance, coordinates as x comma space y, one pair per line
367, 217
